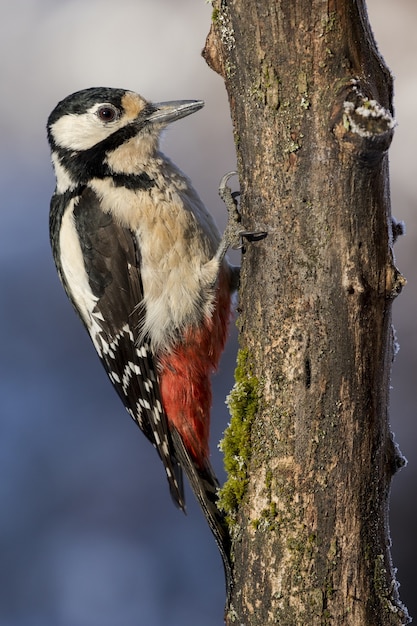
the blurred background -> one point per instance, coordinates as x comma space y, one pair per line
88, 533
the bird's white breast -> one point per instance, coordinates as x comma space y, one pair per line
177, 239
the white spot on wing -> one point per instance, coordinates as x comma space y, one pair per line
64, 181
73, 268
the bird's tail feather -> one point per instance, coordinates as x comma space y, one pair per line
205, 487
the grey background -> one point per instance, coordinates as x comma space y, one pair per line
88, 533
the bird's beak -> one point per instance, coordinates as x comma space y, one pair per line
167, 112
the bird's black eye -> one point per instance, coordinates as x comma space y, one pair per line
107, 113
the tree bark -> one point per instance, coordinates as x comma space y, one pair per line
309, 470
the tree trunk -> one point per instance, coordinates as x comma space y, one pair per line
309, 453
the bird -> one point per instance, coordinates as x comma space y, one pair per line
144, 265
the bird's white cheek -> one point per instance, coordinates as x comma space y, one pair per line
80, 132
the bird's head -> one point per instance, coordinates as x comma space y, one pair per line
109, 126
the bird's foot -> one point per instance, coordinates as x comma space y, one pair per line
234, 234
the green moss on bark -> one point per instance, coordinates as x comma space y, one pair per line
236, 445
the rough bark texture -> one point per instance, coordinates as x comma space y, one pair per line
311, 103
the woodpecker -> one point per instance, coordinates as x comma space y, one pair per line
144, 266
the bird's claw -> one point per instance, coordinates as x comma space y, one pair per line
234, 234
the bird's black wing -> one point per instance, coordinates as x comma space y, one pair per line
112, 262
